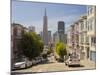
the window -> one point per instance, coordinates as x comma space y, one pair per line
82, 38
19, 31
86, 24
82, 25
93, 41
91, 10
87, 39
88, 11
82, 48
90, 24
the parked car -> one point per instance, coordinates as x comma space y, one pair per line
34, 62
38, 60
29, 63
20, 65
73, 60
44, 60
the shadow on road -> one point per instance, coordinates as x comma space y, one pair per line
46, 62
74, 66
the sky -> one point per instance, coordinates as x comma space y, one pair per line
31, 14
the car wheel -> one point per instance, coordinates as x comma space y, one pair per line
65, 64
68, 65
25, 65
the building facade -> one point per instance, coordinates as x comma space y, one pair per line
68, 37
16, 35
91, 23
77, 39
74, 37
83, 38
81, 35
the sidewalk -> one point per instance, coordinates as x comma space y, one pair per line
88, 64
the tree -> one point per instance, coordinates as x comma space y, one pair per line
49, 51
31, 45
61, 49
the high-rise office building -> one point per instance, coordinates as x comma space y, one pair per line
61, 27
55, 37
41, 35
61, 31
49, 37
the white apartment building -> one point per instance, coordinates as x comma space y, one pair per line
83, 38
73, 37
91, 23
68, 39
76, 34
83, 34
68, 36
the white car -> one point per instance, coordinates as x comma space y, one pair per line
73, 60
20, 65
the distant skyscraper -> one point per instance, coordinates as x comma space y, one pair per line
61, 31
31, 28
45, 29
61, 27
49, 36
55, 37
41, 35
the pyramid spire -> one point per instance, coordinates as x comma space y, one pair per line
45, 12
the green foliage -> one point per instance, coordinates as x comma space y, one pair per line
49, 51
31, 45
61, 49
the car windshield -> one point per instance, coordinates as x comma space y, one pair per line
74, 56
